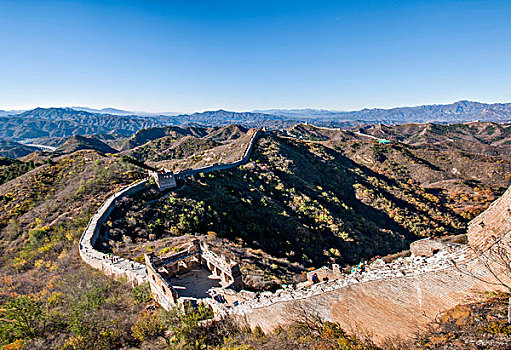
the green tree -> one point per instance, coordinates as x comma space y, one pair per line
22, 318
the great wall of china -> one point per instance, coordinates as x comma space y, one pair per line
386, 300
118, 267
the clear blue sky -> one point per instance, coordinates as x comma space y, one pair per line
242, 55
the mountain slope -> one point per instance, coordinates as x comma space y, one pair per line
11, 168
57, 192
62, 122
13, 149
42, 215
222, 117
168, 148
146, 135
77, 142
475, 137
224, 133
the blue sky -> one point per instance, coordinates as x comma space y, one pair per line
241, 55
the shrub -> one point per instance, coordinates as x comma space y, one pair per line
142, 293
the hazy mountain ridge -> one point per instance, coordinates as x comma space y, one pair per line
460, 111
11, 112
48, 125
61, 122
116, 111
222, 117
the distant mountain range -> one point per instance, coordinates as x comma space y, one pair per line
115, 111
61, 122
65, 122
461, 111
12, 112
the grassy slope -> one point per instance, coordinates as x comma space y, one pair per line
168, 147
11, 168
43, 214
43, 202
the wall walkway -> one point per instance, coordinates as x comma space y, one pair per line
397, 299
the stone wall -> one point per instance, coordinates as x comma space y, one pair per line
110, 265
160, 269
401, 298
492, 224
163, 292
398, 306
215, 167
396, 299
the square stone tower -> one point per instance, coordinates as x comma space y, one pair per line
165, 180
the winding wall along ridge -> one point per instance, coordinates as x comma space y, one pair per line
118, 267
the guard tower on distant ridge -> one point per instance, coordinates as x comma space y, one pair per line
165, 180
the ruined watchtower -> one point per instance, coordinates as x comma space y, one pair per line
165, 180
191, 274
